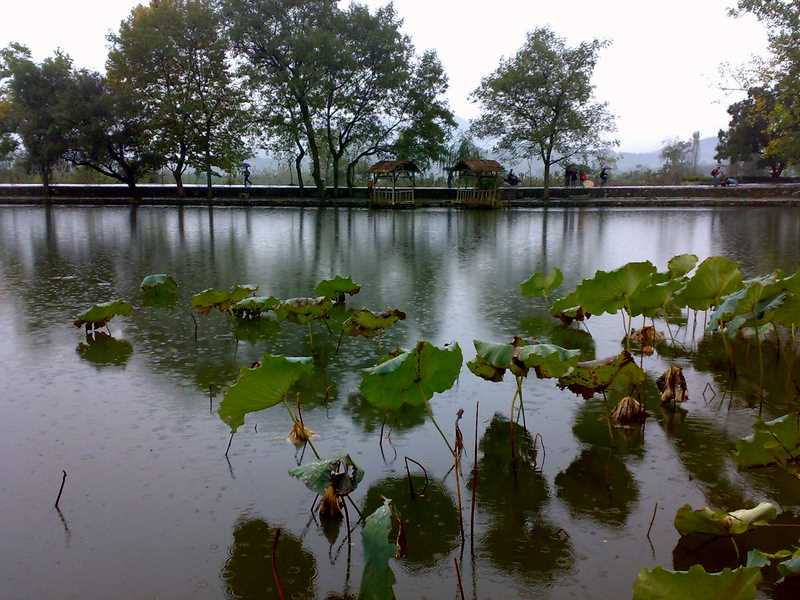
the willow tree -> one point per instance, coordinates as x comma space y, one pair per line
173, 56
541, 102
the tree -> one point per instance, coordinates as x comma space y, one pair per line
676, 155
750, 134
287, 45
32, 107
108, 131
540, 102
8, 144
173, 55
781, 76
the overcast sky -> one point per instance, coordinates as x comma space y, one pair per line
658, 76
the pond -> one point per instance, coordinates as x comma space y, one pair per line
151, 508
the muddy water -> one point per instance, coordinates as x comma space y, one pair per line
152, 509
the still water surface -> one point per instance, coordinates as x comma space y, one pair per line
152, 509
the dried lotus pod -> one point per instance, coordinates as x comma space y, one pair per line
672, 385
628, 412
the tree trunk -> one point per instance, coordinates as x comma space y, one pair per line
546, 191
336, 159
313, 149
298, 166
351, 170
177, 175
46, 180
132, 188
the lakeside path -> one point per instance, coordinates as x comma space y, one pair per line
754, 195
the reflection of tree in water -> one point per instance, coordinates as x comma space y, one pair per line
598, 485
430, 519
519, 540
370, 418
248, 571
105, 350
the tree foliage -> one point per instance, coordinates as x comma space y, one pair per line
540, 103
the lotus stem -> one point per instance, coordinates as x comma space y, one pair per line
61, 489
275, 576
441, 433
347, 524
760, 371
424, 472
457, 464
474, 483
458, 577
230, 441
652, 519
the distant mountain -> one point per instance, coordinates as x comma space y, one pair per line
628, 161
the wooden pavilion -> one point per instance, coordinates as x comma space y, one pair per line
392, 183
478, 182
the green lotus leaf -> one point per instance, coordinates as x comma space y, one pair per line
721, 523
697, 584
651, 298
680, 265
788, 313
262, 386
255, 306
482, 368
161, 283
591, 377
222, 300
776, 441
319, 474
568, 309
365, 323
757, 299
336, 288
304, 310
541, 284
549, 360
757, 558
413, 376
609, 291
99, 314
789, 567
715, 278
378, 579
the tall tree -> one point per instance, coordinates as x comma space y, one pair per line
750, 133
540, 102
676, 155
33, 102
108, 131
173, 55
287, 45
782, 75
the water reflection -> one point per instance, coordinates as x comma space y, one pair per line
104, 350
597, 485
519, 539
430, 518
248, 571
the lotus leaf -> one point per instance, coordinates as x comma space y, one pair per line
160, 283
203, 302
788, 313
568, 309
378, 580
336, 288
541, 284
696, 583
100, 314
680, 265
715, 278
304, 310
720, 523
609, 291
548, 360
651, 298
262, 386
365, 323
320, 474
413, 376
255, 306
591, 377
758, 298
776, 441
789, 567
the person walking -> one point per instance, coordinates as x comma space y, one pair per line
603, 176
